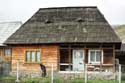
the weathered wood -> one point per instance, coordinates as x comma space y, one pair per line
3, 57
69, 49
114, 58
49, 55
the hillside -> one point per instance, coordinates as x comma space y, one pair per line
120, 31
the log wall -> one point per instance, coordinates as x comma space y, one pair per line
49, 55
3, 57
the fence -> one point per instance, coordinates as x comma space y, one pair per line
5, 68
100, 76
91, 76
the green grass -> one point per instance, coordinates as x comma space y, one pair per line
7, 79
104, 81
76, 80
56, 80
30, 80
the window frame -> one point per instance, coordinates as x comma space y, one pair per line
6, 54
95, 62
32, 50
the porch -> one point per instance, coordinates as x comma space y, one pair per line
98, 57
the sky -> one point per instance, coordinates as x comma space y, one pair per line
22, 10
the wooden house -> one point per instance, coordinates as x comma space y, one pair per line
68, 38
6, 29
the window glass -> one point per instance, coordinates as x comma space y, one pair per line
7, 52
33, 56
78, 54
98, 56
38, 56
75, 55
92, 56
95, 56
81, 54
27, 56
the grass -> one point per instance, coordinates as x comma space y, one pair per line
76, 80
104, 81
30, 80
56, 80
7, 79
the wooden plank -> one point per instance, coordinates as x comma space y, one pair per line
101, 57
58, 68
69, 49
49, 54
114, 58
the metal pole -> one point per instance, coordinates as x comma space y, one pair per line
52, 73
119, 73
17, 73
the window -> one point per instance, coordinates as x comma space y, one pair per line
95, 56
8, 52
33, 56
65, 60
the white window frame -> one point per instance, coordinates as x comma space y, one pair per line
91, 62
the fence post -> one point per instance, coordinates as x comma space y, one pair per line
119, 73
85, 73
17, 73
52, 73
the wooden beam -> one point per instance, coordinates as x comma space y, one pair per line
69, 49
101, 57
58, 55
85, 53
113, 57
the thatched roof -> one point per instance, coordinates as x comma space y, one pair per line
65, 25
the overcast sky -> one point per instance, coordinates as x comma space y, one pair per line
22, 10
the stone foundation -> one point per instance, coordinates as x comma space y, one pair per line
27, 74
101, 75
90, 75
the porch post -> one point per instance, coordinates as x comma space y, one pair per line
85, 53
101, 57
69, 49
58, 59
113, 58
